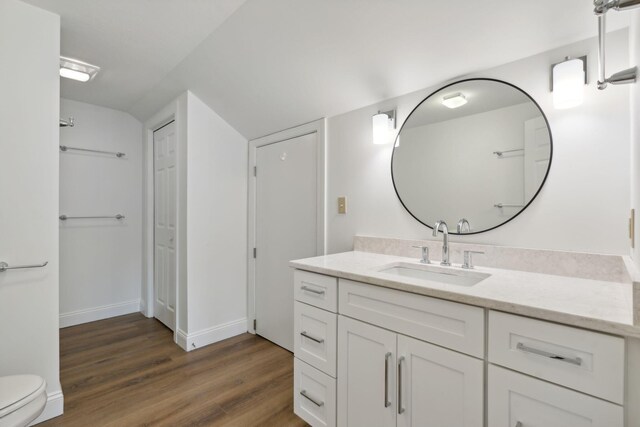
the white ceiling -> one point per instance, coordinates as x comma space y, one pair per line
135, 42
269, 65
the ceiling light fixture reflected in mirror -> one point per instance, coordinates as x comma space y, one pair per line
454, 101
77, 70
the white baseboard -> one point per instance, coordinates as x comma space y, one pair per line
54, 407
99, 313
144, 310
181, 339
211, 335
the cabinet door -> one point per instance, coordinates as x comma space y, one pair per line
520, 400
438, 387
366, 375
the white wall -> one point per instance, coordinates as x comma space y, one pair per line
582, 207
462, 150
216, 221
212, 223
100, 259
634, 37
29, 108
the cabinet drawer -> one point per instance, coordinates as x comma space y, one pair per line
315, 339
583, 360
519, 400
314, 395
316, 289
445, 323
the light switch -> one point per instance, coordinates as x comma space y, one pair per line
342, 205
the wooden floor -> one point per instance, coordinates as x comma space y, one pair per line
127, 371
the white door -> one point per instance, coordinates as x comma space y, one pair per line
165, 187
537, 153
366, 375
438, 387
286, 227
519, 400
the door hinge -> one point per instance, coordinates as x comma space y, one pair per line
255, 171
255, 324
255, 252
632, 228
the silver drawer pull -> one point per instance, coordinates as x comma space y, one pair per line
318, 340
304, 394
400, 406
4, 266
313, 291
387, 402
573, 360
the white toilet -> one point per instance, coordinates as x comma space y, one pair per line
22, 399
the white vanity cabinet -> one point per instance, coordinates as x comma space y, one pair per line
366, 374
382, 375
368, 355
388, 379
315, 348
587, 367
438, 387
519, 400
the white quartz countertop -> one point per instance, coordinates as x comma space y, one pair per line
592, 304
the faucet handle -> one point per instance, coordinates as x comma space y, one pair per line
468, 259
425, 253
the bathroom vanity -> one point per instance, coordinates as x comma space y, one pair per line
383, 340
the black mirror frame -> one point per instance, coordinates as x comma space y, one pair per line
541, 184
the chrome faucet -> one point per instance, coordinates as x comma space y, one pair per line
425, 254
462, 224
445, 240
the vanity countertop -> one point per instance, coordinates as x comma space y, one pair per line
591, 304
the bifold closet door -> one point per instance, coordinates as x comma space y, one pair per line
286, 227
165, 189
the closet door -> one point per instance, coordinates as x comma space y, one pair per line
286, 228
366, 375
438, 387
165, 189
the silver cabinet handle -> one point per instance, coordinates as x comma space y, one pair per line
304, 394
400, 406
313, 291
318, 340
387, 402
573, 360
519, 424
66, 217
4, 266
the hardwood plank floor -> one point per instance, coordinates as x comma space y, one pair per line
127, 371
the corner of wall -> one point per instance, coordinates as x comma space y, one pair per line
634, 47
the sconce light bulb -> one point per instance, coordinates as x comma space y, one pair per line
568, 84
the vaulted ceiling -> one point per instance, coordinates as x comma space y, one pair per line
266, 65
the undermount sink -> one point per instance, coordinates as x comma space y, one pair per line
433, 273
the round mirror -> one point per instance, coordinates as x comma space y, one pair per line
477, 150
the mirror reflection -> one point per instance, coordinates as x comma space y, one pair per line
478, 150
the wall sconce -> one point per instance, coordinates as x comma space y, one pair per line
601, 8
383, 123
567, 82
